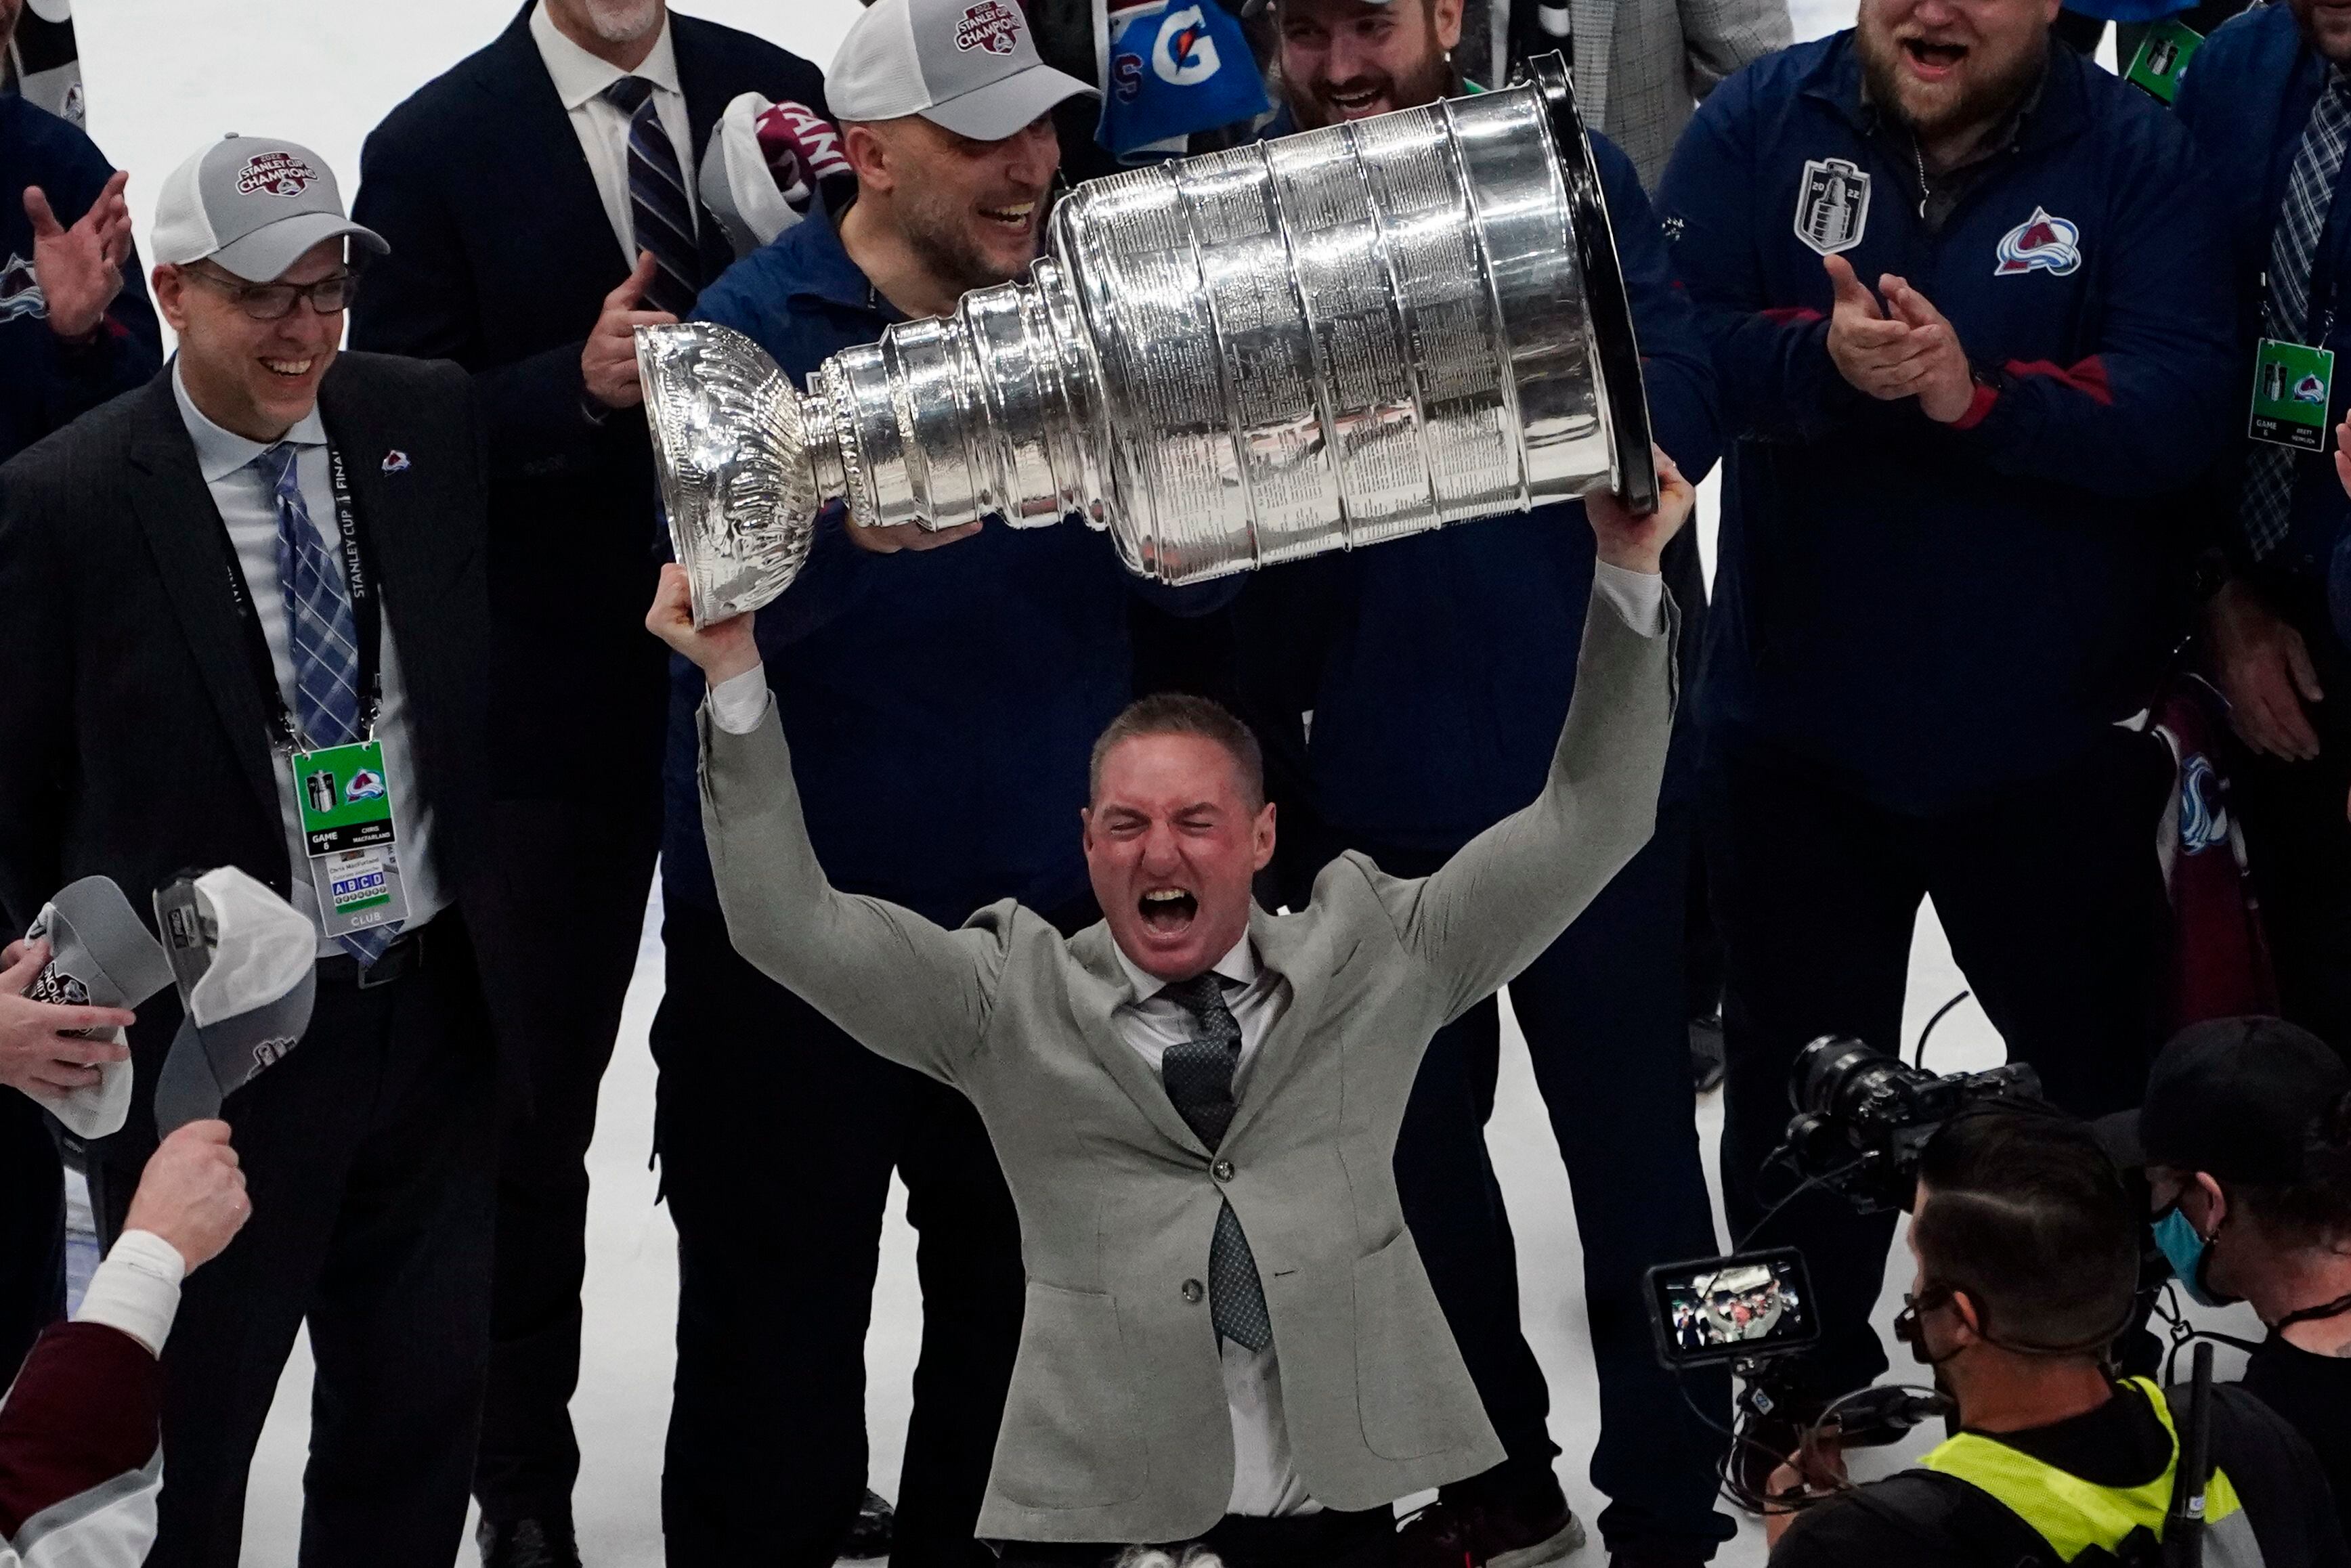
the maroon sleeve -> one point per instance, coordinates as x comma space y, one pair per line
85, 1409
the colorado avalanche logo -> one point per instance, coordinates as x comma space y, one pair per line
2040, 242
274, 175
1127, 76
991, 25
2203, 815
20, 291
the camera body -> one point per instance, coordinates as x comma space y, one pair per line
1863, 1120
1863, 1117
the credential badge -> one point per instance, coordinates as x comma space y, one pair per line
1832, 206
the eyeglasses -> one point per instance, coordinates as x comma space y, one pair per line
274, 301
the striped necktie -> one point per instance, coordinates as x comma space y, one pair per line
1198, 1074
322, 638
2265, 509
661, 203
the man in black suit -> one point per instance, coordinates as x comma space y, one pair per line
517, 190
269, 560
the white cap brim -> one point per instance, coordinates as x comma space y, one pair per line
1005, 107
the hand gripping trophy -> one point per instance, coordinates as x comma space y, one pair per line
1306, 344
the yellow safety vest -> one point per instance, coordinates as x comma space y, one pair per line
2074, 1515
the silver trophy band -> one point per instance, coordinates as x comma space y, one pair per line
1311, 343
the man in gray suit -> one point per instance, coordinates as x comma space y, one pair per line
1641, 66
1229, 1337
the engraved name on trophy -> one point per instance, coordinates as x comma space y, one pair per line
1306, 344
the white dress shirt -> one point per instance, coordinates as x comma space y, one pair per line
248, 506
1265, 1473
580, 80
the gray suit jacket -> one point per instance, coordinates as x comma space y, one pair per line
1641, 66
1116, 1429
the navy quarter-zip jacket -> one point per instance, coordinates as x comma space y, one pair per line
1934, 615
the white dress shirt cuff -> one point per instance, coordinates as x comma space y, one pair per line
739, 702
1639, 596
136, 1289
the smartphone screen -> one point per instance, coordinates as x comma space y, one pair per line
1720, 1309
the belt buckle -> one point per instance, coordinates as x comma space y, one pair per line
398, 959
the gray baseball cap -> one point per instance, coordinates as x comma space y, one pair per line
253, 205
967, 65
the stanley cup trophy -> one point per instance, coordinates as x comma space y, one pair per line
1307, 344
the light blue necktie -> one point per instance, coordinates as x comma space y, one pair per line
322, 635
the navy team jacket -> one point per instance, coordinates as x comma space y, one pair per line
941, 704
1932, 614
1447, 659
2246, 100
45, 383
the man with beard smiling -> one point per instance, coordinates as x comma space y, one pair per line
940, 701
1968, 300
1438, 669
1228, 1335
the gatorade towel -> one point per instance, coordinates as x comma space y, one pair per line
1175, 66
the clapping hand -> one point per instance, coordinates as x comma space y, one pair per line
79, 269
1914, 352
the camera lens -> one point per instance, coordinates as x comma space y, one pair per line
1833, 1069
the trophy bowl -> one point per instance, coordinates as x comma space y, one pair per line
1311, 343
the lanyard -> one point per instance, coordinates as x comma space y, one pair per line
366, 618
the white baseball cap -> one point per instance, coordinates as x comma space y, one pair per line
255, 206
967, 65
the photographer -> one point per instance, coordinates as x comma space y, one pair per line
2246, 1135
2026, 1245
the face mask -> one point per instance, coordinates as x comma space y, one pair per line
2190, 1256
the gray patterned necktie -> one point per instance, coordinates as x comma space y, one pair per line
1198, 1074
2266, 506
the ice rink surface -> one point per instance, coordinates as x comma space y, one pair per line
163, 76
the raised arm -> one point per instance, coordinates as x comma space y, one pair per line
900, 986
1492, 908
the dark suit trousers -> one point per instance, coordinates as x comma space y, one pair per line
2299, 842
1602, 1013
369, 1153
778, 1133
32, 1230
2055, 910
576, 876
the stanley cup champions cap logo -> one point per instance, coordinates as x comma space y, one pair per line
275, 174
992, 24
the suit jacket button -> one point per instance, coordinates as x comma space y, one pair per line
1222, 1170
1193, 1290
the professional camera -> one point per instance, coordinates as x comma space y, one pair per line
1863, 1120
1864, 1117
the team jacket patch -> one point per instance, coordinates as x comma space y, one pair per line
2040, 242
1832, 205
